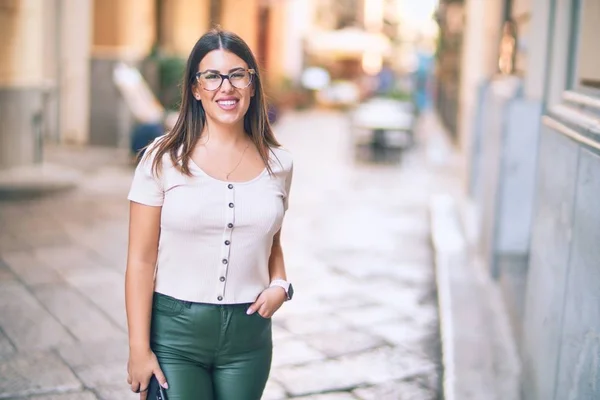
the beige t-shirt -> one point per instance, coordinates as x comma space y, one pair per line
216, 236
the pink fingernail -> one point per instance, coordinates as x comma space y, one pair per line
165, 385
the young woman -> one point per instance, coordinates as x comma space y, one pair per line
205, 269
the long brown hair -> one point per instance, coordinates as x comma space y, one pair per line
180, 141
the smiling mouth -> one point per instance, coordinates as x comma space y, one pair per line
227, 103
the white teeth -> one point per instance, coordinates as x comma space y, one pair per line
227, 102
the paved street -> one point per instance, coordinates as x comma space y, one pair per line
363, 323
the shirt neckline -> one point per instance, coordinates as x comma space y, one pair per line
197, 168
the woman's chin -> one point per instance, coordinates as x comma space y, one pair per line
230, 120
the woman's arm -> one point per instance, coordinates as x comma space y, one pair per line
271, 299
144, 232
276, 263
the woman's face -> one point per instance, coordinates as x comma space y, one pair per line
227, 103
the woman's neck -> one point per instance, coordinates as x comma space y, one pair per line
229, 136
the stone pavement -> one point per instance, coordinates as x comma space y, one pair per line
363, 323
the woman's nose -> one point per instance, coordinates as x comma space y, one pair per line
226, 86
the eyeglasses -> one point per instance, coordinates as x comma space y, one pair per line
239, 79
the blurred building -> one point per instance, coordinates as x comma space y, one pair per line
359, 42
348, 38
450, 17
528, 123
57, 60
60, 59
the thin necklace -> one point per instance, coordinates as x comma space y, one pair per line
236, 165
239, 162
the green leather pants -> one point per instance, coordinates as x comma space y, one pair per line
210, 352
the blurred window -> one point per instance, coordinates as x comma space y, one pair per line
586, 38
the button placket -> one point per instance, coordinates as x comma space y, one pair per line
229, 206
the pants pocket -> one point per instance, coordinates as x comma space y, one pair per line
167, 305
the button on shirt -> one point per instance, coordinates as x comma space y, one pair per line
215, 236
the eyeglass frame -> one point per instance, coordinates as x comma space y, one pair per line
251, 71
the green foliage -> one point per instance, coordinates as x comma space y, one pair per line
170, 77
399, 95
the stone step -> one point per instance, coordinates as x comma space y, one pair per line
479, 355
36, 180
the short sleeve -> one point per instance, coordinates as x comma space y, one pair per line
146, 187
288, 186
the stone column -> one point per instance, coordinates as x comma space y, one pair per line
241, 17
124, 31
74, 70
479, 62
21, 82
276, 43
182, 23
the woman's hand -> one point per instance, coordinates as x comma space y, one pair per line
140, 368
268, 302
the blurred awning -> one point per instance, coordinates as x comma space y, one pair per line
347, 42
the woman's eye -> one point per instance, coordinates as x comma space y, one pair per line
237, 75
211, 76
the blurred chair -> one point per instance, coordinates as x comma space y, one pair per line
152, 120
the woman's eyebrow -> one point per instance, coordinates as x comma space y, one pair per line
218, 72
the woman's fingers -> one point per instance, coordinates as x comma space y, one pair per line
264, 311
135, 386
254, 307
160, 377
140, 385
144, 394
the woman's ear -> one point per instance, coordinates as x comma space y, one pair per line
196, 92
